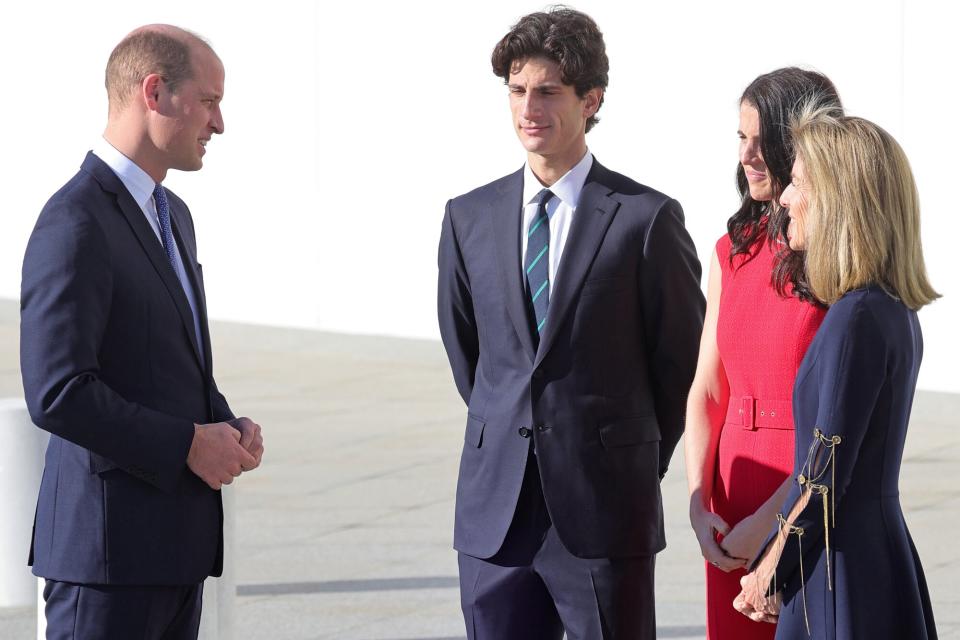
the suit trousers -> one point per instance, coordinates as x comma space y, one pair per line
106, 612
534, 589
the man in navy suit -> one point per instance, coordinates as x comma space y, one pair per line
570, 310
116, 362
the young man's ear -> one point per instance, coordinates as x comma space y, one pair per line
591, 101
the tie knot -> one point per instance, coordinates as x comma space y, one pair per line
544, 197
159, 195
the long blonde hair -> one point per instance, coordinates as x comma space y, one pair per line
863, 210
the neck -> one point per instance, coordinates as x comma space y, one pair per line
132, 141
549, 169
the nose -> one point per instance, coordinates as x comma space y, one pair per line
786, 196
216, 120
749, 152
531, 106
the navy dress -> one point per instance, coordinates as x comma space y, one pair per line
854, 573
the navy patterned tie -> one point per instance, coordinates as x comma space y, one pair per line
166, 235
537, 268
166, 231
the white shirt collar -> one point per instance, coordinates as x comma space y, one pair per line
138, 183
567, 188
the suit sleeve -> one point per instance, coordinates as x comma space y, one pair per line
673, 308
221, 409
66, 297
458, 325
851, 367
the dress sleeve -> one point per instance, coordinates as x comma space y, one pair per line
850, 373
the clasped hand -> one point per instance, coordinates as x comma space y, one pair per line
752, 601
740, 544
706, 525
221, 451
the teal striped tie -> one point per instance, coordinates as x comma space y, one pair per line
537, 267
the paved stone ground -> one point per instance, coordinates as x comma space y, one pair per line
345, 530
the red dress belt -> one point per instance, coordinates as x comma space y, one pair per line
756, 413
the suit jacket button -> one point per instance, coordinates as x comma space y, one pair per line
524, 432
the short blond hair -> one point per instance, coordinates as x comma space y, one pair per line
863, 210
160, 49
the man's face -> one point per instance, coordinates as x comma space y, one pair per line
549, 117
192, 114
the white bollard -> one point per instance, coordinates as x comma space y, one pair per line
220, 594
41, 617
21, 466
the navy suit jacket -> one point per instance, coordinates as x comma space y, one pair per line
113, 370
604, 395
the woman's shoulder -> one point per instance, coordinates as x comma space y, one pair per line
865, 314
722, 246
869, 300
851, 310
759, 257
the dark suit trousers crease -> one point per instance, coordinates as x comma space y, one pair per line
534, 589
105, 612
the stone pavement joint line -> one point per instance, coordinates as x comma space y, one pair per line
348, 586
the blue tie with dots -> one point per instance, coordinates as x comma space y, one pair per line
537, 268
166, 236
166, 231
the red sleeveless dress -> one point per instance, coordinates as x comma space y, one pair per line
762, 338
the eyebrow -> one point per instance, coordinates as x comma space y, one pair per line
543, 85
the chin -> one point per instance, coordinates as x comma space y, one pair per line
761, 192
533, 145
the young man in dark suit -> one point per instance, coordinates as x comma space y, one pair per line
570, 308
116, 362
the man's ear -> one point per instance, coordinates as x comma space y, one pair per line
150, 90
591, 101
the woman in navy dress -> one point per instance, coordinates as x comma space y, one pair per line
840, 563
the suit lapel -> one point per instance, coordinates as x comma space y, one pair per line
593, 216
505, 211
191, 266
147, 239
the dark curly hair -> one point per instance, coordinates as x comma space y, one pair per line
777, 96
569, 38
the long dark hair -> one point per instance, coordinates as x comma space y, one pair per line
777, 96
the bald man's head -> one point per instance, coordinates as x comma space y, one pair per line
162, 49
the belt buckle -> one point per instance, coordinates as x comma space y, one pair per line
748, 413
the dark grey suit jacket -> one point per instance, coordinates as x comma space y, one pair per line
605, 393
112, 368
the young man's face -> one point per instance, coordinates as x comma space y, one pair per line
549, 117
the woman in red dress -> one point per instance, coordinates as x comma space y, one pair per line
760, 320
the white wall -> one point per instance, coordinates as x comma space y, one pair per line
348, 128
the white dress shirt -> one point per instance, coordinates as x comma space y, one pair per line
140, 186
560, 209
